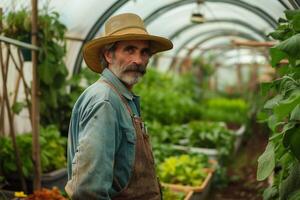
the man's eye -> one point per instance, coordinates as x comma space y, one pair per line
146, 53
130, 50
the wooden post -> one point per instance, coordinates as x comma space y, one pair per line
239, 77
1, 14
216, 77
35, 100
1, 97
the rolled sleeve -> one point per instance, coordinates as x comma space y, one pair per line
93, 163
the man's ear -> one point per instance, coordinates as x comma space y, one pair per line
108, 55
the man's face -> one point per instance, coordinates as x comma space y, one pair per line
129, 61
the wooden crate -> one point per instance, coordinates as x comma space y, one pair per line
193, 192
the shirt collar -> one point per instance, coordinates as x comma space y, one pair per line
112, 78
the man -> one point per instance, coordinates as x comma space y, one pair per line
109, 155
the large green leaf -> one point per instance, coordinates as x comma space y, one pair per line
265, 88
286, 106
266, 162
290, 46
295, 115
290, 14
273, 122
291, 140
288, 134
276, 56
295, 143
290, 186
262, 117
296, 22
270, 193
270, 104
295, 195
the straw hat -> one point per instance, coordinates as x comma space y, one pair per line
121, 27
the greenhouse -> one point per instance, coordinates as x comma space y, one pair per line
150, 100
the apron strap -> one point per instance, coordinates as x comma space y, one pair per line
119, 94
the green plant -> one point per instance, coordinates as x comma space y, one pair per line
51, 67
282, 113
194, 134
52, 152
170, 195
226, 110
168, 98
184, 170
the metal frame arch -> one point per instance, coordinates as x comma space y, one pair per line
215, 33
284, 5
218, 55
234, 21
95, 28
258, 11
211, 36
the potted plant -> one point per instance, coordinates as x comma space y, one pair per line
53, 159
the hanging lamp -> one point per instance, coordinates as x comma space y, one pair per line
197, 16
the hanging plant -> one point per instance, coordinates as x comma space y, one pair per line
51, 67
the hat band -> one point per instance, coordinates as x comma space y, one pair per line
129, 30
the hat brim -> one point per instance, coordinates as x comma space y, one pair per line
93, 48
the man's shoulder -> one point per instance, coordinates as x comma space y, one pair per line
96, 93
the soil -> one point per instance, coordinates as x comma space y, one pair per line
241, 173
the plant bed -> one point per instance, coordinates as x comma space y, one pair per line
169, 194
200, 134
195, 192
186, 173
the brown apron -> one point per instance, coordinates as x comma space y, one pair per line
143, 183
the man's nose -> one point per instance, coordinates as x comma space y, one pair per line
138, 59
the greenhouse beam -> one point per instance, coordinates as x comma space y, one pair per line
211, 36
234, 21
253, 43
93, 31
258, 11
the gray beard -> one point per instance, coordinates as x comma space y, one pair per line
129, 78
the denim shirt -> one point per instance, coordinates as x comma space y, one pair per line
101, 141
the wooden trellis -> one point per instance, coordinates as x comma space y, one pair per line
11, 59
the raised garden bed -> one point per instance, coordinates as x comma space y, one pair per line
193, 192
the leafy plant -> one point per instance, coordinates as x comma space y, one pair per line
184, 170
282, 113
51, 67
52, 152
168, 98
226, 110
171, 195
195, 134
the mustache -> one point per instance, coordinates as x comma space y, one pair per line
136, 68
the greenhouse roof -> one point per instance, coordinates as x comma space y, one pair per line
224, 20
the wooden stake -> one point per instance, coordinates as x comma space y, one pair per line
35, 100
1, 99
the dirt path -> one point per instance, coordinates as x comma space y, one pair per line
242, 172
